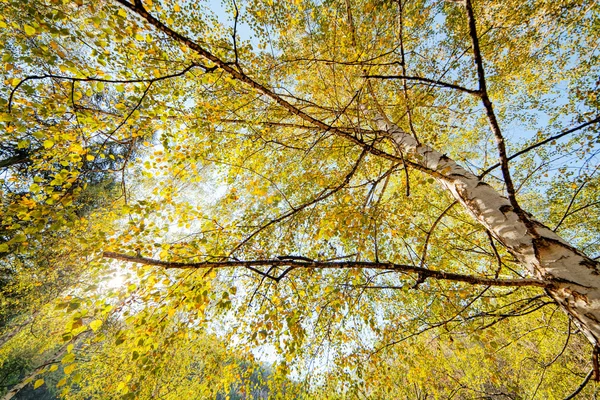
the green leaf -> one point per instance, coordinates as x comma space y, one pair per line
19, 238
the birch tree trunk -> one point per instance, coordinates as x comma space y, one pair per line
575, 277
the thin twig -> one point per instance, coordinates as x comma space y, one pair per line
427, 80
438, 219
91, 79
541, 143
580, 387
322, 196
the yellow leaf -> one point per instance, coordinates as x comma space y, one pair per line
89, 157
95, 325
48, 143
38, 383
70, 348
53, 368
62, 382
177, 8
69, 358
69, 369
122, 13
7, 117
30, 30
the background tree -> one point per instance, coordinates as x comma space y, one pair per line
292, 194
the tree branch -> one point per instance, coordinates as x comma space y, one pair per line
439, 218
580, 387
543, 142
295, 264
14, 160
91, 79
138, 9
427, 80
234, 36
322, 196
493, 121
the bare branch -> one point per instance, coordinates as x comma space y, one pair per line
139, 103
498, 258
566, 213
235, 49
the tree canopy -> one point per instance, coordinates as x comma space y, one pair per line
299, 199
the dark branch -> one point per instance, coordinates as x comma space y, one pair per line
566, 213
92, 79
437, 221
493, 121
14, 160
234, 36
427, 80
295, 264
543, 142
322, 196
139, 103
580, 387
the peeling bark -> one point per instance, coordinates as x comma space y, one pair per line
546, 255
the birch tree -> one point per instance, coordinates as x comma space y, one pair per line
326, 181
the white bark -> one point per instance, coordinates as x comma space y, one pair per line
575, 277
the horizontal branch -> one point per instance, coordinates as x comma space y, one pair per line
427, 80
296, 262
